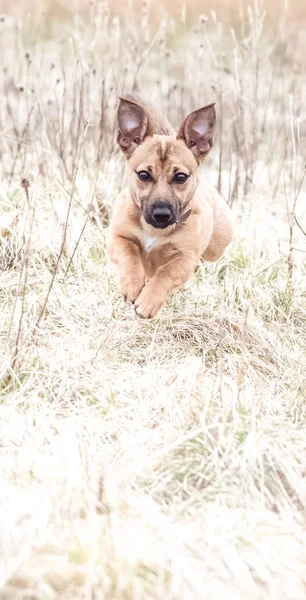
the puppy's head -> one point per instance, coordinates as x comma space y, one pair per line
164, 167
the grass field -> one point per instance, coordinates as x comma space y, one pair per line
161, 459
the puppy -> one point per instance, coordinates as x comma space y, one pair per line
168, 216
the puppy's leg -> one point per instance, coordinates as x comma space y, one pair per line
124, 254
172, 274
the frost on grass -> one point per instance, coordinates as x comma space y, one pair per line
161, 459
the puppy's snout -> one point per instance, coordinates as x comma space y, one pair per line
162, 214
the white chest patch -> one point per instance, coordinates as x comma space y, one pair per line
149, 243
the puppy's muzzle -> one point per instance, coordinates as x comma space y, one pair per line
161, 214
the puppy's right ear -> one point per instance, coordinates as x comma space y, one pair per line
133, 125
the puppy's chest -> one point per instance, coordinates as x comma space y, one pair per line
150, 242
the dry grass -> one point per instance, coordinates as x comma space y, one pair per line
161, 459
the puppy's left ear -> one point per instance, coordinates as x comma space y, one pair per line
197, 131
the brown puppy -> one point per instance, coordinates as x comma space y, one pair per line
168, 217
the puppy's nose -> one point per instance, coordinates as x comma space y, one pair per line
161, 212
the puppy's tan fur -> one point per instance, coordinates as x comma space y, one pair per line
151, 262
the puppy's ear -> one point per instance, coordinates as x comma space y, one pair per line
133, 125
197, 131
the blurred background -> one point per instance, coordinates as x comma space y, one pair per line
294, 10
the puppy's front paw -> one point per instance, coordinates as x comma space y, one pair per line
149, 302
131, 287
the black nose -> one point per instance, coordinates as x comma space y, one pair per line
161, 212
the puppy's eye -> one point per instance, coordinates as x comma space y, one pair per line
144, 175
180, 177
